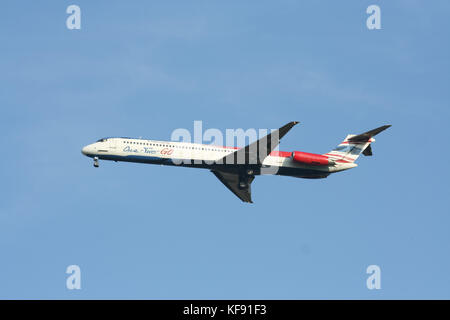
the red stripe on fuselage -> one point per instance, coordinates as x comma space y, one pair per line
282, 154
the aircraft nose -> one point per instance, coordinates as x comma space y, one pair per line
88, 150
84, 150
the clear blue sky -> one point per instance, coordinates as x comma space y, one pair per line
146, 68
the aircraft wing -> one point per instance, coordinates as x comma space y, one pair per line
256, 152
231, 181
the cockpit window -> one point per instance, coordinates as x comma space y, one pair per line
102, 140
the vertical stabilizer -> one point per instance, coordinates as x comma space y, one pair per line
353, 145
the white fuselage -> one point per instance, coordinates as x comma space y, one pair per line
198, 155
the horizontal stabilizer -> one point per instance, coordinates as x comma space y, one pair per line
353, 145
367, 151
363, 137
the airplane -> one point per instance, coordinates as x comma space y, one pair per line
236, 168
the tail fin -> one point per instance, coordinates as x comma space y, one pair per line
353, 145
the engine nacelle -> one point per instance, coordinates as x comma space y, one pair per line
311, 159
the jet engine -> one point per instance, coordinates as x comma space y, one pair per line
311, 159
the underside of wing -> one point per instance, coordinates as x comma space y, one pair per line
233, 182
256, 152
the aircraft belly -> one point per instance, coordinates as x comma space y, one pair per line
302, 173
271, 165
